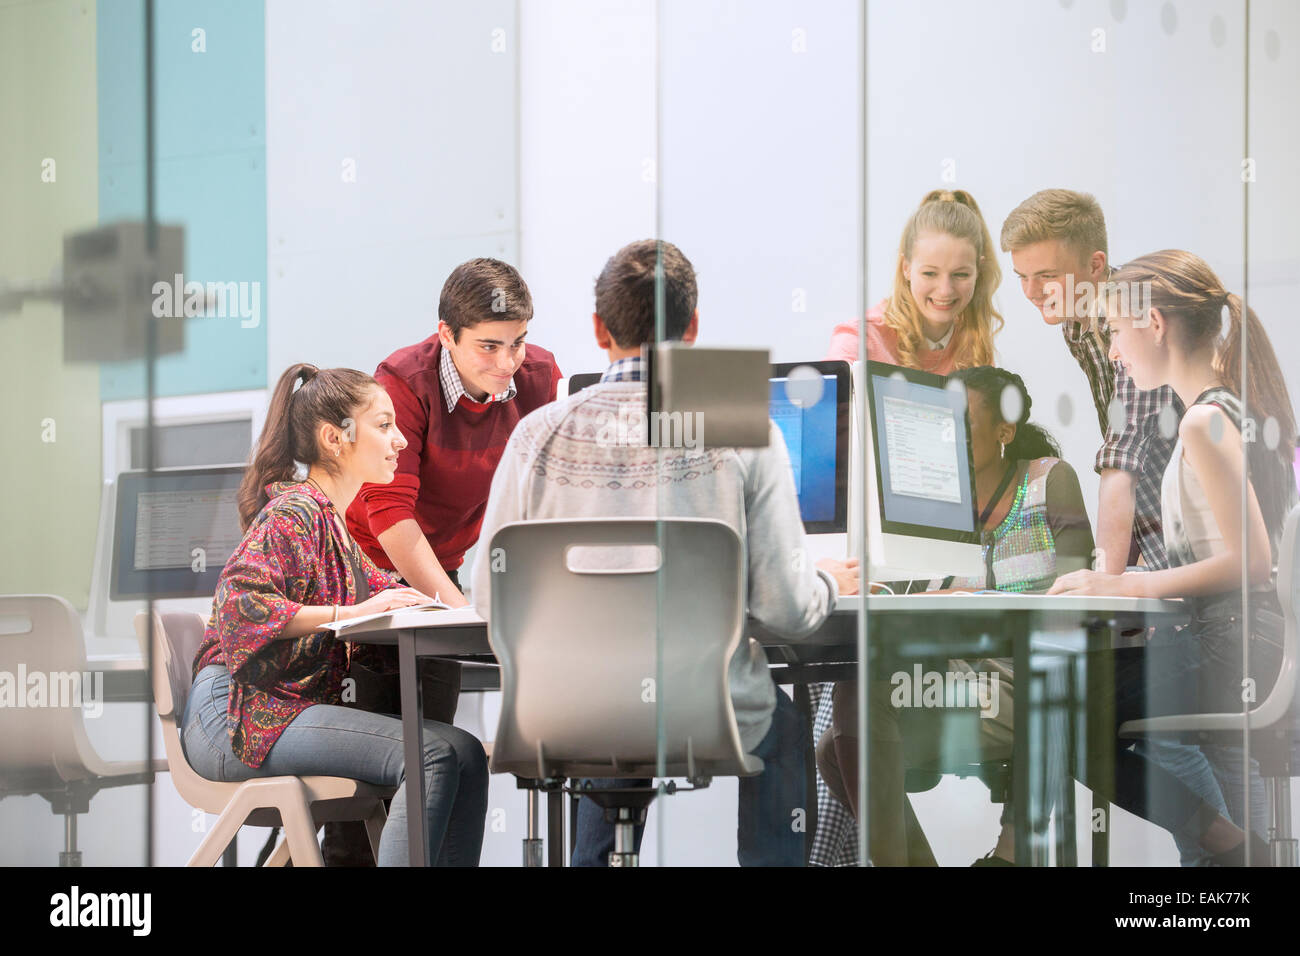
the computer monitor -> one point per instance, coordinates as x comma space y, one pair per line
813, 411
173, 532
583, 379
920, 476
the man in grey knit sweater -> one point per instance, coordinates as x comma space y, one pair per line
587, 456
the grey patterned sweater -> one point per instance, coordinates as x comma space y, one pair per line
560, 462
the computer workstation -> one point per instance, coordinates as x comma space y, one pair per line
919, 491
929, 498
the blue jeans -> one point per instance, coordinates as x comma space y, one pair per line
771, 810
1189, 763
1198, 670
339, 741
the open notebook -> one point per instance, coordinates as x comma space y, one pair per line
433, 614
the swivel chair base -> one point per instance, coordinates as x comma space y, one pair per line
626, 810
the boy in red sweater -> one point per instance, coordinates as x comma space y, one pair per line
457, 396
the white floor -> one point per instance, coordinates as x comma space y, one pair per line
689, 829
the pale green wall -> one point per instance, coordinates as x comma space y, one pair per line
49, 491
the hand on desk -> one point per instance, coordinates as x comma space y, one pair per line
845, 573
1082, 583
390, 599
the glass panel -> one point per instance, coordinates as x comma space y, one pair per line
76, 719
1085, 110
758, 170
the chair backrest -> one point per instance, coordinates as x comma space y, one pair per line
176, 640
601, 648
42, 691
1279, 700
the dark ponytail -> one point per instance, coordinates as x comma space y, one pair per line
1031, 441
332, 395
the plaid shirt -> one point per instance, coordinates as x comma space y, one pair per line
453, 388
1135, 443
835, 838
631, 369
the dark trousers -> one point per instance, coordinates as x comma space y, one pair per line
771, 807
346, 844
1195, 671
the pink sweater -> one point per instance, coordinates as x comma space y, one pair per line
882, 344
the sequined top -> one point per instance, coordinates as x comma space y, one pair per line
290, 557
1044, 534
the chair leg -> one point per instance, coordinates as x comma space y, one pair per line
624, 853
70, 856
280, 855
533, 842
574, 802
223, 831
1281, 841
300, 830
375, 826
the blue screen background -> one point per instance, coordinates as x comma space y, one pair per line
810, 437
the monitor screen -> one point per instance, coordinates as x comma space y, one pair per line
813, 415
922, 453
174, 532
814, 420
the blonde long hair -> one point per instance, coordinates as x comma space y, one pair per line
952, 212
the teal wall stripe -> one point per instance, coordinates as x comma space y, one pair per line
211, 173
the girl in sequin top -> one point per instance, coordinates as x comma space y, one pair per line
1035, 527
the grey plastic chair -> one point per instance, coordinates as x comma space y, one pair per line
45, 750
301, 804
607, 631
1270, 723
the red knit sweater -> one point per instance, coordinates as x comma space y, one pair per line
445, 472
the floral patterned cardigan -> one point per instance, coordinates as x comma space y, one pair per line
290, 556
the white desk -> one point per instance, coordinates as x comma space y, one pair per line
905, 625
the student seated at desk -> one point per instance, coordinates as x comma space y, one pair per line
268, 677
1036, 528
545, 473
1171, 337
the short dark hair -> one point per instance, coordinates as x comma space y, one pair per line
625, 292
483, 290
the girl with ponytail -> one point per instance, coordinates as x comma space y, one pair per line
940, 316
1172, 337
268, 686
1167, 333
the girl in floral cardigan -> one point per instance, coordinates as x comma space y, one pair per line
268, 679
